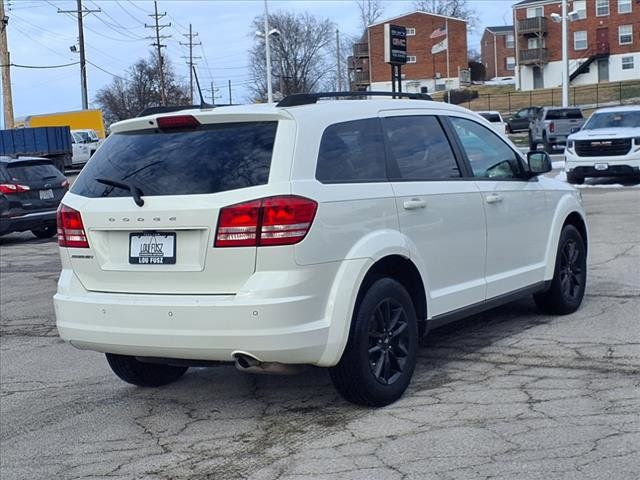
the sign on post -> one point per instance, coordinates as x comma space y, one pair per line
395, 44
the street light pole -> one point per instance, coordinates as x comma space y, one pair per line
268, 53
565, 57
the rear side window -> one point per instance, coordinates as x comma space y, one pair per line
210, 159
419, 149
352, 152
492, 117
32, 172
571, 113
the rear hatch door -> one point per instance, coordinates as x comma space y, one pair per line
186, 175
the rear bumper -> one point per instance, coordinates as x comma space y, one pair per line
290, 329
29, 221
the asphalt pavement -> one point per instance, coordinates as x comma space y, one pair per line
507, 394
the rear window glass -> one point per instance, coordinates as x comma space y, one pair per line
32, 172
564, 113
352, 152
492, 117
210, 159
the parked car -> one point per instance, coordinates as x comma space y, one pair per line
519, 121
608, 145
496, 121
332, 234
552, 126
30, 191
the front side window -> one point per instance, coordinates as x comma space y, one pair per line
627, 63
488, 155
508, 40
419, 149
624, 6
625, 34
352, 152
602, 8
511, 63
580, 7
580, 40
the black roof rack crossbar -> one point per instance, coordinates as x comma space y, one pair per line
310, 98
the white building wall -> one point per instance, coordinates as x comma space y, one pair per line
413, 86
552, 72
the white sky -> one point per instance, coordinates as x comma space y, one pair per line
115, 39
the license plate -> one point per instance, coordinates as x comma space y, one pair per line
152, 248
46, 194
601, 166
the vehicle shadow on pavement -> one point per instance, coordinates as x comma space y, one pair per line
26, 238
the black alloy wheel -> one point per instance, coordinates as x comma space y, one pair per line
388, 341
571, 274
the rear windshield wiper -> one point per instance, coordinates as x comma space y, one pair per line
136, 193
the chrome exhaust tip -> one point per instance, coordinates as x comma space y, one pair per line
247, 363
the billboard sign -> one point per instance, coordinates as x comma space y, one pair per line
395, 44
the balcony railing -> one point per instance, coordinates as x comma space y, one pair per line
536, 25
360, 77
361, 50
533, 56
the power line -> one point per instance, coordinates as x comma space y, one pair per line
158, 27
106, 71
17, 65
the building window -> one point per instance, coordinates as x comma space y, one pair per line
511, 63
533, 12
580, 40
508, 41
411, 59
580, 7
624, 6
627, 63
625, 34
602, 8
535, 42
411, 31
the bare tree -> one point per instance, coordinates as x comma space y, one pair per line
126, 97
300, 54
370, 11
449, 8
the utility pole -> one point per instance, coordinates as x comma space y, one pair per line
338, 62
565, 57
80, 12
213, 94
268, 53
157, 26
191, 44
7, 99
230, 101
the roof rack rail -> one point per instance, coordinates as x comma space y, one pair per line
310, 98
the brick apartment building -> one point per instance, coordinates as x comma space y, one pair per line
604, 42
498, 51
424, 71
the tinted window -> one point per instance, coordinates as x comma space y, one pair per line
352, 152
560, 114
210, 159
419, 149
492, 117
32, 172
488, 155
614, 120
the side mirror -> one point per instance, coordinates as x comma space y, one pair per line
575, 129
539, 162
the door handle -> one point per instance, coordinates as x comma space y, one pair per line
494, 198
414, 204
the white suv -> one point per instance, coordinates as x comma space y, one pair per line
608, 145
332, 234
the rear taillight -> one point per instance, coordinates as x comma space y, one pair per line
11, 188
282, 220
70, 228
552, 127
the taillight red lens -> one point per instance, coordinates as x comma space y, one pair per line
70, 228
11, 188
177, 121
552, 127
282, 220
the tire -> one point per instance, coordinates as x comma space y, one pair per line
574, 179
377, 364
47, 231
565, 294
143, 374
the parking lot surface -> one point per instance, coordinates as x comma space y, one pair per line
507, 394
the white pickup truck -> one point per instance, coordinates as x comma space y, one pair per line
84, 144
607, 146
